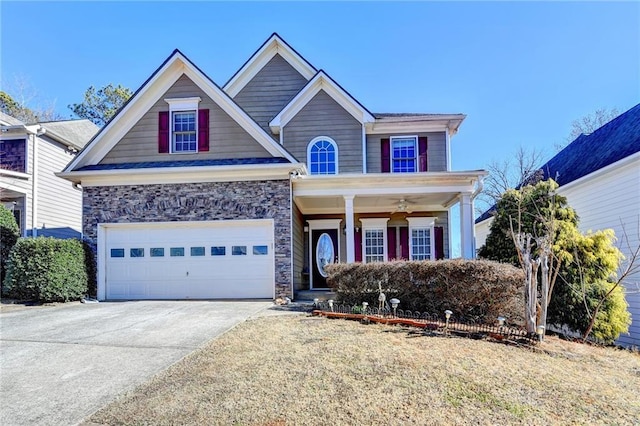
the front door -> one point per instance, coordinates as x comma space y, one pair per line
324, 244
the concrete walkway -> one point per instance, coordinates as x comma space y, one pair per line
59, 364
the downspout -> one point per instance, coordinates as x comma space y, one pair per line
364, 150
34, 183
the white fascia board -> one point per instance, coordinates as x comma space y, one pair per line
408, 126
320, 82
249, 172
148, 95
275, 45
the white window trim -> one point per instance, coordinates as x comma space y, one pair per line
178, 105
377, 224
322, 138
422, 223
416, 147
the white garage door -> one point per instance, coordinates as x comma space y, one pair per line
197, 260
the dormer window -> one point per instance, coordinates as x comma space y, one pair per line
184, 128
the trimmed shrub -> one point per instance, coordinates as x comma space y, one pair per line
47, 270
9, 234
480, 290
91, 267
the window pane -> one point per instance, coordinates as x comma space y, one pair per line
119, 252
239, 250
218, 251
322, 158
420, 243
197, 251
176, 251
157, 252
136, 252
260, 250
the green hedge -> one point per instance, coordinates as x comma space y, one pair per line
47, 270
474, 289
9, 233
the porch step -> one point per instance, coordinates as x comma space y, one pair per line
309, 295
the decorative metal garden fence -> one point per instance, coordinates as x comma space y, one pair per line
446, 324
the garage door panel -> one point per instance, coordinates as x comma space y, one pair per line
217, 260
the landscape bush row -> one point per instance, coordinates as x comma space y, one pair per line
474, 289
49, 270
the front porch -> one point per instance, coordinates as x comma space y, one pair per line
378, 217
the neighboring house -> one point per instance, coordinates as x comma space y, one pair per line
246, 191
42, 203
599, 174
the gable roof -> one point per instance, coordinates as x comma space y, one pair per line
612, 142
321, 81
7, 120
74, 133
176, 65
616, 140
272, 46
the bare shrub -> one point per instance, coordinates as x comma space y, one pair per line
480, 290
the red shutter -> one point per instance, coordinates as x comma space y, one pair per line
391, 243
438, 232
385, 146
422, 153
357, 237
203, 130
404, 242
163, 132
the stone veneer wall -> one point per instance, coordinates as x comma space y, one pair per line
197, 202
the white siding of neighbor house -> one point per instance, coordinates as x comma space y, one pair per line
482, 232
610, 200
59, 203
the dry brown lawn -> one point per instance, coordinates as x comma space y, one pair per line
300, 370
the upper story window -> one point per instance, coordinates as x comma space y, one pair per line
13, 155
183, 131
184, 128
404, 154
322, 156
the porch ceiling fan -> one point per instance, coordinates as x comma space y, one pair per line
403, 206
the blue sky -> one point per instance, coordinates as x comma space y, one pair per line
522, 72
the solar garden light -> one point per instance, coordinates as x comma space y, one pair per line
540, 332
394, 305
364, 307
501, 321
447, 315
330, 301
315, 302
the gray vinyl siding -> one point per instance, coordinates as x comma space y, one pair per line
299, 261
227, 139
322, 116
270, 91
59, 203
436, 151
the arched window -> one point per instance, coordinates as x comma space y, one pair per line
322, 156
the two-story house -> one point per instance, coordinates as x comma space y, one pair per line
247, 190
42, 203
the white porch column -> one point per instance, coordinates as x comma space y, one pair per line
466, 227
349, 223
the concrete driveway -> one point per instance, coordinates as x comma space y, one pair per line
59, 364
